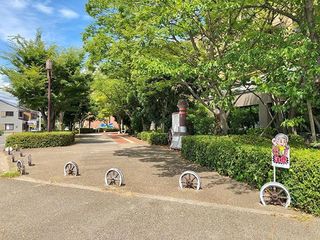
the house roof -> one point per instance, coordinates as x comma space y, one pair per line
11, 104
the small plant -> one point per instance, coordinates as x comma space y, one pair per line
10, 174
154, 138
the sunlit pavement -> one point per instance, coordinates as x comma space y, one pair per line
149, 206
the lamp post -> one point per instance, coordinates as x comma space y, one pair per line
49, 76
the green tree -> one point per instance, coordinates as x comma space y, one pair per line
185, 40
28, 79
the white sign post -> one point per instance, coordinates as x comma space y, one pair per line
274, 192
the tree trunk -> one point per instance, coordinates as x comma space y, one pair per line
311, 120
222, 122
53, 120
45, 119
292, 113
61, 114
317, 123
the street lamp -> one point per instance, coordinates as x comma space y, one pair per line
49, 75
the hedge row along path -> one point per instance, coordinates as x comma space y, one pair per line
150, 171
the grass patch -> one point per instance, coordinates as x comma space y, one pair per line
10, 174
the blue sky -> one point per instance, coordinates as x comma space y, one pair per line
61, 22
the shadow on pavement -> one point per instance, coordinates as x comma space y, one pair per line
170, 164
91, 139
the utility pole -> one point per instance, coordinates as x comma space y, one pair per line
49, 76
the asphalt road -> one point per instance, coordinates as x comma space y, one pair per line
42, 211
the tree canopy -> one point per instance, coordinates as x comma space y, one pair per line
215, 50
27, 74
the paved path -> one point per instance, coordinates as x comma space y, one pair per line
147, 169
151, 174
39, 211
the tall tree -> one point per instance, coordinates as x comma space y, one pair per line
28, 79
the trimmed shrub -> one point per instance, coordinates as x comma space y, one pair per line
108, 130
154, 138
248, 159
93, 130
87, 130
40, 139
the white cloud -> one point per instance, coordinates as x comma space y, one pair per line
16, 20
68, 13
19, 4
44, 8
4, 81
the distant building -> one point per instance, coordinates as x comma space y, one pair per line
110, 122
14, 118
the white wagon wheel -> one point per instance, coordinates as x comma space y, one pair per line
189, 179
9, 150
114, 176
29, 160
20, 167
71, 168
275, 193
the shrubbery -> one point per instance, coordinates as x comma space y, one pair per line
248, 159
92, 130
155, 138
40, 139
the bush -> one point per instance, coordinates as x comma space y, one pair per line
200, 120
87, 130
108, 130
154, 138
93, 130
248, 159
40, 139
268, 132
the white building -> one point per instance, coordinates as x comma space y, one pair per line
14, 118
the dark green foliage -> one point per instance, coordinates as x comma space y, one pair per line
200, 120
248, 159
154, 138
40, 139
268, 132
99, 130
243, 118
108, 129
87, 130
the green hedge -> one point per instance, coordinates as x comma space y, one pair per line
108, 130
154, 138
92, 130
248, 159
40, 139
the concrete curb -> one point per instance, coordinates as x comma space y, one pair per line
295, 215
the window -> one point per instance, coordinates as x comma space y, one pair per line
9, 126
9, 114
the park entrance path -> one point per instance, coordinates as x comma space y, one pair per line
152, 171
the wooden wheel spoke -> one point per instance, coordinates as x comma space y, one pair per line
189, 179
114, 177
